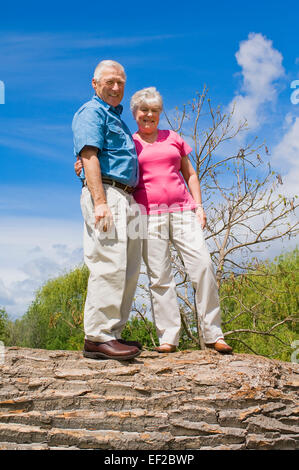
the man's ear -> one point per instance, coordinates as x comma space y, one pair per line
93, 82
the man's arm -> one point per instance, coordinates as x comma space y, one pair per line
92, 170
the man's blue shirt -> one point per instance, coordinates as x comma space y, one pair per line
98, 124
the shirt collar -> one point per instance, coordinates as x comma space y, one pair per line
118, 109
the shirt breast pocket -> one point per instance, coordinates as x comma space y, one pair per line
115, 137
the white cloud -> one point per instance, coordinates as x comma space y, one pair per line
33, 250
261, 67
40, 268
5, 296
285, 156
288, 148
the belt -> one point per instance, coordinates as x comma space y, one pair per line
124, 187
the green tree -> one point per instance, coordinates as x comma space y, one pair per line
54, 320
260, 313
260, 308
3, 325
141, 329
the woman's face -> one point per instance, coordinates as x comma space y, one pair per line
147, 117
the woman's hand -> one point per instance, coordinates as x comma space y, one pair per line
193, 184
200, 213
78, 166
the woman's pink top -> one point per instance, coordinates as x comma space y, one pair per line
161, 186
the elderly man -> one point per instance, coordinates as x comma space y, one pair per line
112, 251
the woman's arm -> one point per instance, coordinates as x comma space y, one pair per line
193, 184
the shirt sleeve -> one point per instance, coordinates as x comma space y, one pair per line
88, 129
184, 148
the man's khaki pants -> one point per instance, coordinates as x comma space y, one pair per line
113, 259
184, 230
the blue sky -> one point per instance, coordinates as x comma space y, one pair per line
48, 52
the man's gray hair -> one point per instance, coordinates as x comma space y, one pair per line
146, 96
105, 64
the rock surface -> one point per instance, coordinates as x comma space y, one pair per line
185, 400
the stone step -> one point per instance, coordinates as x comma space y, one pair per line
13, 446
138, 420
83, 439
81, 399
186, 400
129, 421
200, 435
53, 400
253, 419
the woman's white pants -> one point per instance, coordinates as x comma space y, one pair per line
183, 229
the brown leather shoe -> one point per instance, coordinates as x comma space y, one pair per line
220, 346
109, 350
166, 348
130, 343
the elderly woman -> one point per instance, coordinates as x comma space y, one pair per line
172, 213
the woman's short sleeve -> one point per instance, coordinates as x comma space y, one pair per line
185, 148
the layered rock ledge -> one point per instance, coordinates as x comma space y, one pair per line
185, 400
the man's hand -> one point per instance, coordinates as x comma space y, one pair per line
103, 217
78, 166
200, 213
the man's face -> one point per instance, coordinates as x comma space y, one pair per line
110, 88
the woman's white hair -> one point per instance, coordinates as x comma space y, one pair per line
105, 64
146, 96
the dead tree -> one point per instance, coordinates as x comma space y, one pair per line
242, 195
